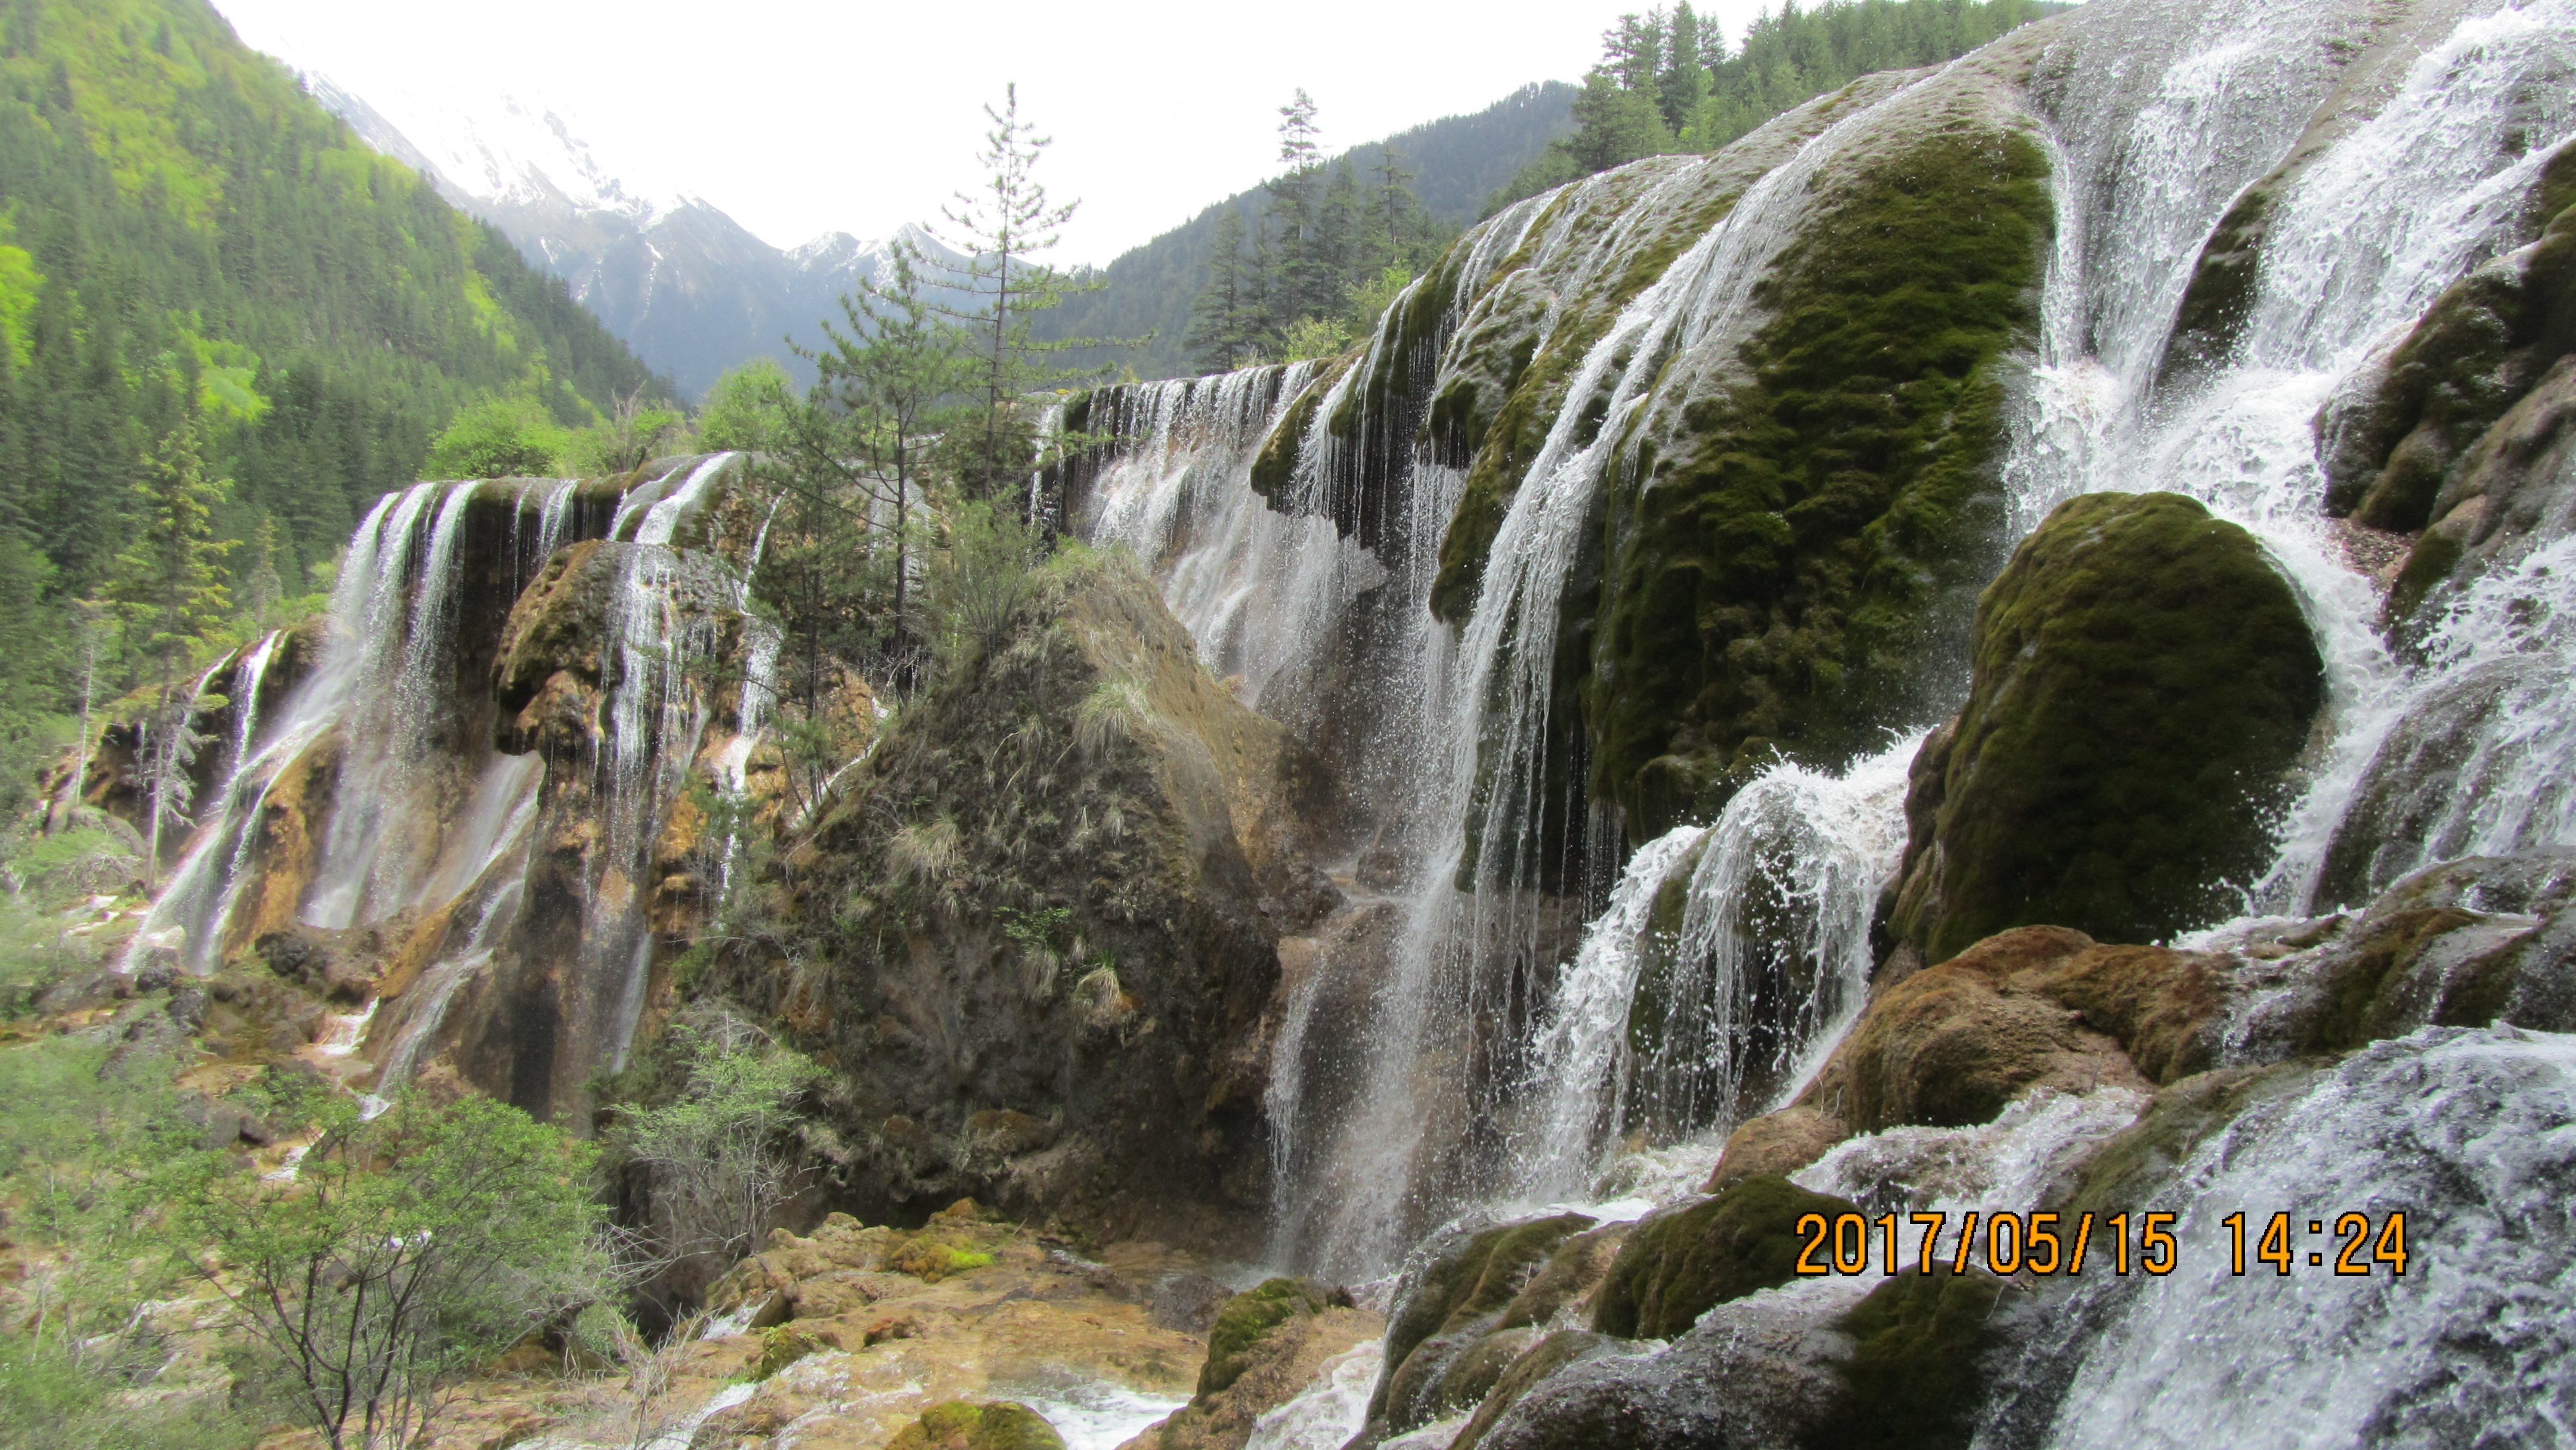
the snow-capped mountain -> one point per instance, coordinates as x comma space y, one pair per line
688, 287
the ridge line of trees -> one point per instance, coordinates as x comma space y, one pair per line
1668, 84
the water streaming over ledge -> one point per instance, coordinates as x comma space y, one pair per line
1505, 1061
370, 793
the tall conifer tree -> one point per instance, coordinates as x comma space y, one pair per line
169, 595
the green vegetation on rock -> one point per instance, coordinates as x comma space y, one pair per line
1679, 1263
1775, 574
2144, 680
1245, 1320
1913, 1372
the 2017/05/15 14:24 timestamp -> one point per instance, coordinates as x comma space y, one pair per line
2046, 1243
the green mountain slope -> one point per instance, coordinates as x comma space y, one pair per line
180, 224
1457, 162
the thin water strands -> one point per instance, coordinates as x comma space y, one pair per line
1722, 1010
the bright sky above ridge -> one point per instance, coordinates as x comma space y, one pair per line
799, 117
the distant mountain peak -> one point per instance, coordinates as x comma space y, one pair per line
506, 151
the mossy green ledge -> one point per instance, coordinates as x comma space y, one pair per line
1792, 534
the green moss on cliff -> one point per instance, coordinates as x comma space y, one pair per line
1676, 1265
1539, 393
1770, 587
2144, 681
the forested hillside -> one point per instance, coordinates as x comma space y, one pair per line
189, 244
186, 231
1456, 162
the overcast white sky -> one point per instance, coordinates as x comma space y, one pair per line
804, 116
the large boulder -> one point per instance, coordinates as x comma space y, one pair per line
1052, 898
2144, 681
2035, 1009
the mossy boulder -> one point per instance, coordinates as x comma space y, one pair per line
2134, 1170
2143, 683
1534, 1366
978, 1425
1266, 1347
2464, 944
780, 1346
1914, 1370
1680, 1263
1040, 927
2513, 490
1246, 1320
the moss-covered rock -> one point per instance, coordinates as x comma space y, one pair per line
1249, 1317
1555, 1352
1914, 1368
2134, 1169
2393, 441
1451, 1298
1049, 896
2513, 491
1267, 1346
1679, 1263
780, 1346
1951, 1045
1773, 559
978, 1425
2464, 944
2144, 681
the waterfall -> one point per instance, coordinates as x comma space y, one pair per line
1504, 1055
1486, 922
1766, 964
404, 820
2160, 120
2464, 1131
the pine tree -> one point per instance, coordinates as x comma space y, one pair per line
1003, 232
167, 589
1684, 83
1394, 203
1301, 278
887, 377
1633, 50
1225, 321
261, 586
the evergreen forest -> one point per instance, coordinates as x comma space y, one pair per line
1668, 82
190, 247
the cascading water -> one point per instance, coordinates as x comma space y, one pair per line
2161, 118
1768, 961
372, 796
2158, 119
